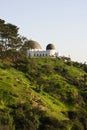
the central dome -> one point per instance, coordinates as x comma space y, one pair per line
32, 45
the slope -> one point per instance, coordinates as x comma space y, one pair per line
43, 94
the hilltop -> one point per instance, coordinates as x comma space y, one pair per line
39, 93
42, 93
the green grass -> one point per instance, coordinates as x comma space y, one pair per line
57, 95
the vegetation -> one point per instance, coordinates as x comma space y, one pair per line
40, 93
9, 36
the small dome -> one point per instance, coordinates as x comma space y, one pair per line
32, 45
50, 47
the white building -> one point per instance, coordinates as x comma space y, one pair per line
35, 49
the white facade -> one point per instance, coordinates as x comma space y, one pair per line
40, 52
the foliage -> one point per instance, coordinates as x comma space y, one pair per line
9, 37
41, 93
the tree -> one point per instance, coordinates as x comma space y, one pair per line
9, 36
2, 22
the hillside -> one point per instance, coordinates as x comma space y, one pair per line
43, 94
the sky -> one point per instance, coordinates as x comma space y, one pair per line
60, 22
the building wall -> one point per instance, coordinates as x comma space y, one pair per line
36, 52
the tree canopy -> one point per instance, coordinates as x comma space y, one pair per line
9, 37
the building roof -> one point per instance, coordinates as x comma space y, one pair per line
50, 47
32, 45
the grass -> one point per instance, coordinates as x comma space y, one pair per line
57, 97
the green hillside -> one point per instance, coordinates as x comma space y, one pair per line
43, 94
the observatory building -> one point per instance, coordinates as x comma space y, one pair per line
35, 49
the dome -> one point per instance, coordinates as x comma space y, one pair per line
50, 47
32, 45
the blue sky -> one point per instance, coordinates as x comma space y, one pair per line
61, 22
